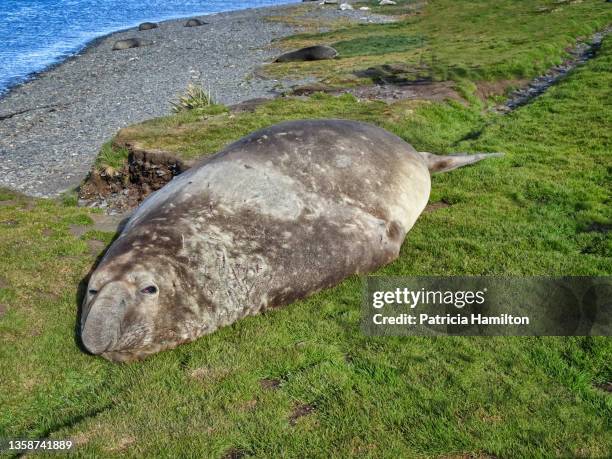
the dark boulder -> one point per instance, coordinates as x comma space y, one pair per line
312, 53
147, 26
194, 23
127, 43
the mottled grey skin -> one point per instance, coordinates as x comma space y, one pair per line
276, 216
311, 53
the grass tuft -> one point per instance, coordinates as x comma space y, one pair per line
111, 158
195, 97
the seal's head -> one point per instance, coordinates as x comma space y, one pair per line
137, 301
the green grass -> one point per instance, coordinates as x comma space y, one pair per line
194, 133
111, 157
473, 39
530, 212
366, 46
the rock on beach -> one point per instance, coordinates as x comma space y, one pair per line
147, 26
194, 23
127, 44
311, 53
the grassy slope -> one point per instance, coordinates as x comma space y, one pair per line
527, 213
453, 39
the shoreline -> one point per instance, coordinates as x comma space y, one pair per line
53, 124
80, 49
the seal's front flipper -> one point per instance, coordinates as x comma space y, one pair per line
438, 163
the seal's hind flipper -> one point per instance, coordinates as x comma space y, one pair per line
438, 163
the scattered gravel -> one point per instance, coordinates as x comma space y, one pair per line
52, 127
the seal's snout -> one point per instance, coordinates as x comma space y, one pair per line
100, 326
96, 336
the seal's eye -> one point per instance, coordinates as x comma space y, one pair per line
92, 291
150, 290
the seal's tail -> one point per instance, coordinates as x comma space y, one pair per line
437, 163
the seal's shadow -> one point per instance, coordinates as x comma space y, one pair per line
82, 287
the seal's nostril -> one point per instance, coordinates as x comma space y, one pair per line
95, 340
99, 331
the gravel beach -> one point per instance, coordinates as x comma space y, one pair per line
52, 127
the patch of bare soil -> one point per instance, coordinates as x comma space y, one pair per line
10, 222
124, 189
96, 247
3, 310
249, 405
102, 222
433, 206
606, 387
108, 223
209, 374
78, 230
22, 202
434, 91
488, 89
248, 105
300, 411
270, 383
123, 444
425, 90
597, 227
470, 456
234, 453
81, 438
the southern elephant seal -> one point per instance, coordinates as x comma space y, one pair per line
311, 53
127, 44
147, 26
278, 215
194, 23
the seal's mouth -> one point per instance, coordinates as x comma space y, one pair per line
121, 352
96, 339
131, 355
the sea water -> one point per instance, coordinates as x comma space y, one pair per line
37, 33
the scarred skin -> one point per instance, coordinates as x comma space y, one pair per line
276, 216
